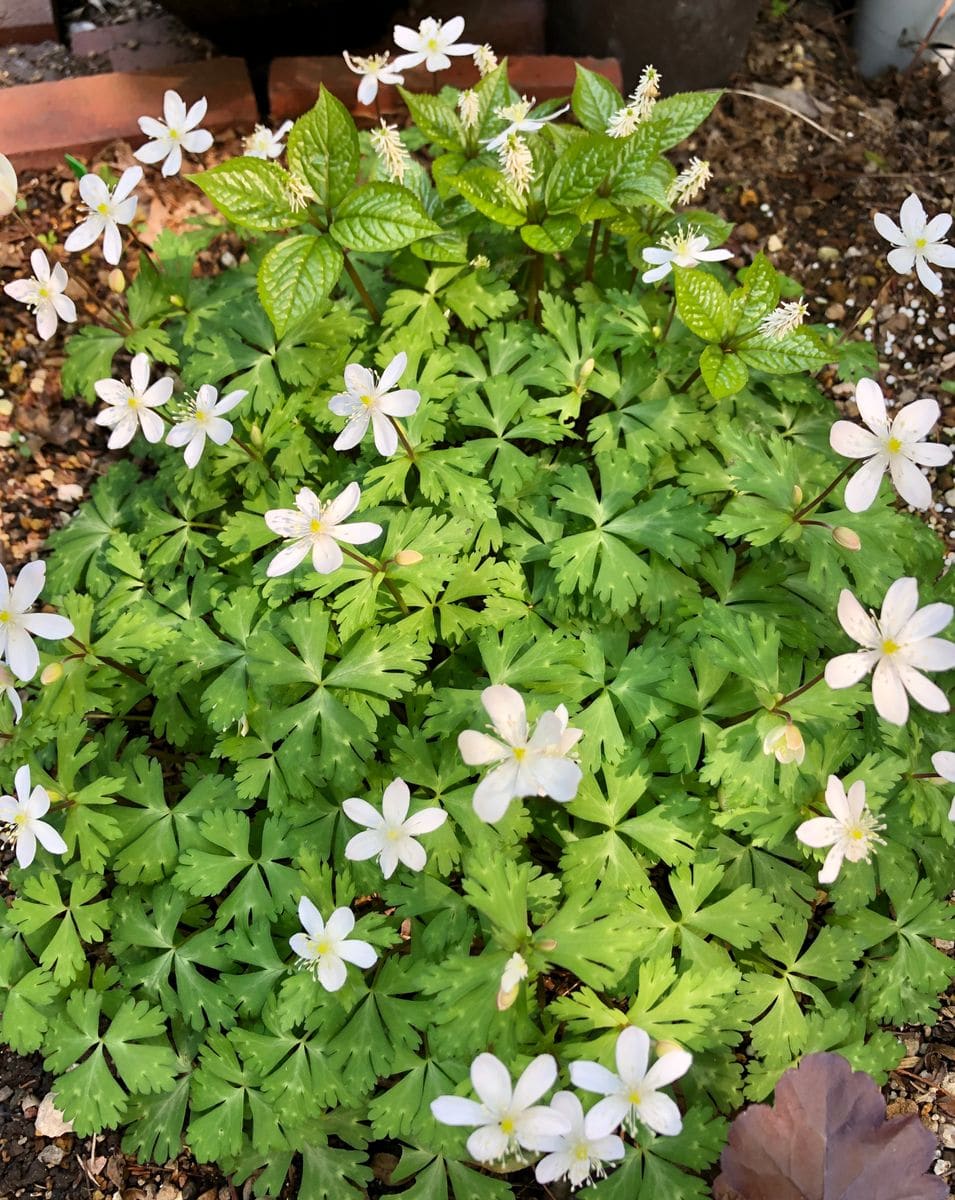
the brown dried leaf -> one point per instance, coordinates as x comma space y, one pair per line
827, 1138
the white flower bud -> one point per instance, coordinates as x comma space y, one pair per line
847, 538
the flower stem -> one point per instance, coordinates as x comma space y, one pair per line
378, 569
110, 662
670, 316
797, 516
147, 250
362, 291
403, 437
536, 280
688, 382
777, 707
253, 454
592, 251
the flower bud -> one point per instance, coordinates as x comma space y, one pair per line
408, 558
117, 281
547, 944
786, 743
797, 494
847, 538
255, 436
514, 973
8, 186
51, 672
666, 1046
585, 373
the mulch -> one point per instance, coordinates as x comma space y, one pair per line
790, 189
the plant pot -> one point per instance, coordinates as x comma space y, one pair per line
888, 32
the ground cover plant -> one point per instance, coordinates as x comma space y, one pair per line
484, 429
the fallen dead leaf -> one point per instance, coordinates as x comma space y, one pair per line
49, 1119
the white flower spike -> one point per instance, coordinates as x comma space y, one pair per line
318, 528
786, 743
918, 242
690, 182
516, 115
517, 163
431, 43
18, 623
44, 293
851, 831
390, 834
485, 59
373, 401
899, 644
895, 446
374, 71
784, 319
687, 248
263, 143
8, 186
130, 405
578, 1155
530, 765
391, 150
638, 107
8, 689
206, 420
107, 211
944, 763
508, 1117
633, 1094
20, 820
325, 947
176, 133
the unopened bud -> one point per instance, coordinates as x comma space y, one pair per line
847, 538
666, 1046
786, 743
506, 999
866, 317
51, 672
177, 300
547, 944
797, 494
116, 281
585, 373
255, 436
408, 558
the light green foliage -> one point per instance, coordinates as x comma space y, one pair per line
603, 517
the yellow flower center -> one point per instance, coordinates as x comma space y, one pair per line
132, 402
393, 835
893, 445
201, 416
367, 400
635, 1098
432, 44
321, 947
507, 1125
103, 208
20, 819
581, 1152
315, 525
856, 834
520, 753
43, 292
921, 243
4, 616
890, 647
174, 135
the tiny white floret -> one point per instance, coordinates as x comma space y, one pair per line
262, 142
318, 528
431, 43
390, 835
369, 400
852, 831
325, 947
918, 242
130, 405
20, 820
206, 420
108, 209
374, 70
18, 622
176, 133
686, 248
44, 293
580, 1154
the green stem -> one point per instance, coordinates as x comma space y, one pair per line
688, 382
111, 662
536, 280
797, 516
777, 707
378, 569
592, 251
362, 291
670, 316
147, 250
403, 437
253, 455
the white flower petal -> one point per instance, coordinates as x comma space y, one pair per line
659, 1113
819, 831
632, 1054
888, 694
491, 1081
537, 1078
901, 601
856, 621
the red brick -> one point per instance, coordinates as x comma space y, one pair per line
294, 82
151, 45
26, 21
40, 122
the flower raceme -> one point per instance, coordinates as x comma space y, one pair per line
318, 528
206, 420
851, 831
44, 293
108, 209
507, 1116
633, 1094
18, 622
516, 115
373, 70
390, 835
262, 142
537, 764
639, 104
176, 133
896, 646
130, 405
895, 446
431, 43
325, 947
687, 248
21, 823
578, 1155
918, 242
377, 402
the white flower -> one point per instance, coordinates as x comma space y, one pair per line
639, 106
323, 949
899, 644
205, 421
690, 182
507, 1116
578, 1155
518, 121
107, 211
784, 319
633, 1094
374, 401
918, 242
894, 446
469, 106
484, 59
536, 765
177, 133
513, 975
687, 248
785, 742
851, 831
517, 163
431, 43
944, 763
375, 70
263, 143
318, 528
390, 834
131, 404
8, 186
391, 150
20, 820
17, 622
44, 294
299, 192
7, 682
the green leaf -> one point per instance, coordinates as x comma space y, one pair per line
295, 277
323, 148
798, 351
702, 304
555, 235
437, 120
594, 100
723, 372
578, 173
26, 993
491, 194
89, 357
675, 117
381, 216
251, 192
78, 919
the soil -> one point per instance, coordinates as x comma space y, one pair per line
806, 198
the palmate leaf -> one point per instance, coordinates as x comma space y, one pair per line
225, 1093
597, 936
26, 996
78, 919
669, 1166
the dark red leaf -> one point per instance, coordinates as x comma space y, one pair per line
827, 1138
